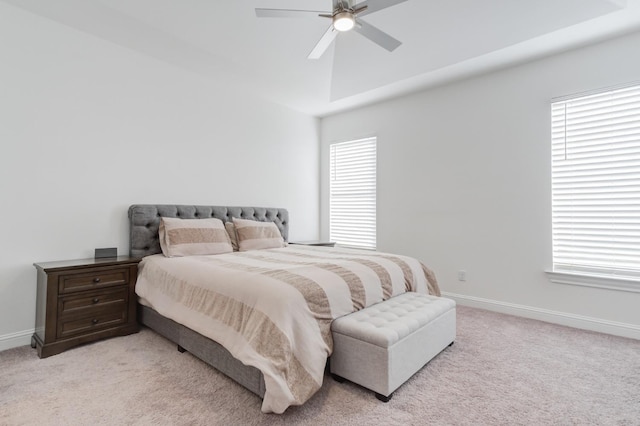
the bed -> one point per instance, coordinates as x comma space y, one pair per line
262, 317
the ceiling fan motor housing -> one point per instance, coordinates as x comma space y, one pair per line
343, 20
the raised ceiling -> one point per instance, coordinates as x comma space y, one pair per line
442, 40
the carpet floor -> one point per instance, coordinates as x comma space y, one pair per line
502, 370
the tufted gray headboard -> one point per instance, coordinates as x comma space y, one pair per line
144, 220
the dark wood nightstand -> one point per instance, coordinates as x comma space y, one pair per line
314, 243
80, 301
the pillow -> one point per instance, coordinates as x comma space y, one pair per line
254, 235
190, 237
231, 230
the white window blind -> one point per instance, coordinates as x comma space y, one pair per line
596, 184
352, 193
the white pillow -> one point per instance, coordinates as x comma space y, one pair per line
254, 235
190, 237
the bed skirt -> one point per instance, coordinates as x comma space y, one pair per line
204, 348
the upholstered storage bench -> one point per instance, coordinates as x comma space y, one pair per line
382, 346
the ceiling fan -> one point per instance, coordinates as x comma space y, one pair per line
344, 17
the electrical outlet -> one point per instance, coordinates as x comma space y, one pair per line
462, 275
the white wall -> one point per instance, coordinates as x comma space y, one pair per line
88, 128
464, 183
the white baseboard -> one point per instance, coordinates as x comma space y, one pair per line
571, 320
13, 340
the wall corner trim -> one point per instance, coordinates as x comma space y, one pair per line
13, 340
562, 318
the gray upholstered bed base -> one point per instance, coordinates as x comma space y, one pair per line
204, 348
144, 220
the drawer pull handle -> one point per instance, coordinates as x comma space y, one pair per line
96, 300
94, 321
96, 280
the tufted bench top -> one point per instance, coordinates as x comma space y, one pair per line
388, 322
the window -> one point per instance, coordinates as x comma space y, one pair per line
596, 187
352, 193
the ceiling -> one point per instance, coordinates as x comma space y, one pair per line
443, 40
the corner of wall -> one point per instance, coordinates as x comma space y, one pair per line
13, 340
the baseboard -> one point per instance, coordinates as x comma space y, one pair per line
571, 320
13, 340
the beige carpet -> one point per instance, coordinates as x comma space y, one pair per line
502, 370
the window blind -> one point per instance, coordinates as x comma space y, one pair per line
596, 184
352, 193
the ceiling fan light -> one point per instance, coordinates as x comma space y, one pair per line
343, 21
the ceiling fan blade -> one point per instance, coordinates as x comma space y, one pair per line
324, 43
375, 5
358, 11
285, 13
377, 36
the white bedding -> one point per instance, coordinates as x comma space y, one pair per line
272, 309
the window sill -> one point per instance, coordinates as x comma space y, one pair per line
573, 278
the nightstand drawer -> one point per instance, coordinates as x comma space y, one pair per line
85, 303
74, 325
94, 279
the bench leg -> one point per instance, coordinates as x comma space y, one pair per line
337, 378
383, 398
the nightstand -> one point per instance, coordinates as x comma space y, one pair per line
314, 243
80, 301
